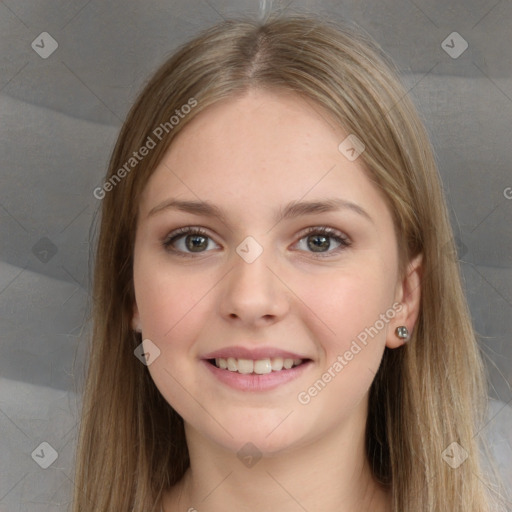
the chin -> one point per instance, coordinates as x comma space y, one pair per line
268, 437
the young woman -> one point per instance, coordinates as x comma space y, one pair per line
278, 316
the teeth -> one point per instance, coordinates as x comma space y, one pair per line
245, 366
287, 364
259, 366
277, 364
262, 366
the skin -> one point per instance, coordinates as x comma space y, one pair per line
250, 156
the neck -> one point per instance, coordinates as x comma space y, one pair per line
329, 474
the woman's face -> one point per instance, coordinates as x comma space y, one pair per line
261, 285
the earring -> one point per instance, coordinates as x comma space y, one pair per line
402, 332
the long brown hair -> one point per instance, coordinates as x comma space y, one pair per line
425, 396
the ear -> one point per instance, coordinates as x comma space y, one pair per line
136, 325
408, 295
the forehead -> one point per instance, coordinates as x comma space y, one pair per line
265, 125
260, 149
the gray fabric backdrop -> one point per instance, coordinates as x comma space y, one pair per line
60, 114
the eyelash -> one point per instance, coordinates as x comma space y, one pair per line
318, 230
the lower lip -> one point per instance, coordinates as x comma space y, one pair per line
255, 382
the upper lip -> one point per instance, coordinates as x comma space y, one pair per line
239, 352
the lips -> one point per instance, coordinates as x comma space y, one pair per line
255, 369
255, 382
239, 352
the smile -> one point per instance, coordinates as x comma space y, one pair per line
256, 375
258, 367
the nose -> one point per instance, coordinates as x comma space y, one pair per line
253, 293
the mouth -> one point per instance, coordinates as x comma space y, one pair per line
256, 366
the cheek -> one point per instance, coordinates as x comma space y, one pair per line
167, 300
345, 319
173, 306
346, 303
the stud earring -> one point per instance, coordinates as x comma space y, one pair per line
402, 332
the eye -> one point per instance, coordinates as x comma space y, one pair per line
319, 240
187, 240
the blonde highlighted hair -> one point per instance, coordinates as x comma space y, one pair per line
425, 396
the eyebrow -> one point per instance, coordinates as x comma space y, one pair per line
291, 210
